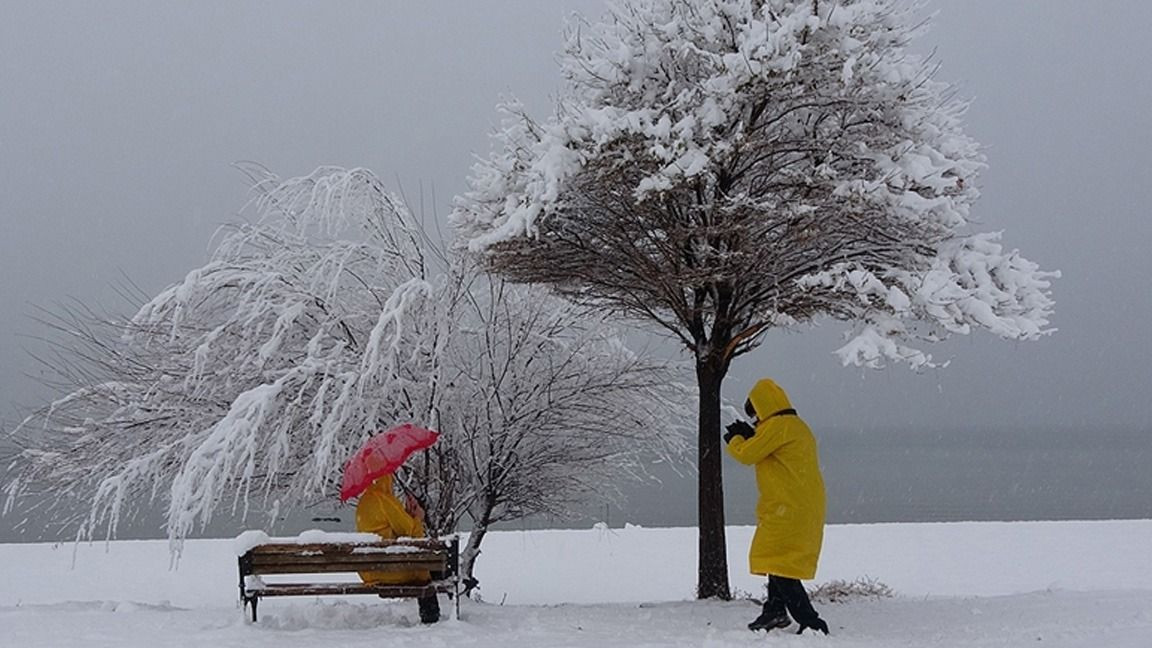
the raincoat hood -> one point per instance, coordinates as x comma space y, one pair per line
768, 398
381, 485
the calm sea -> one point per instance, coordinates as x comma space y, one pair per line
947, 475
871, 476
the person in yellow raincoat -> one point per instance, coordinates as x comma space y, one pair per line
380, 512
790, 510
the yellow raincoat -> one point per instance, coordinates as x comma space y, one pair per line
790, 511
379, 512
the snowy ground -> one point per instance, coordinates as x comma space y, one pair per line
960, 584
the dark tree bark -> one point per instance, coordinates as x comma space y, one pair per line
712, 569
471, 553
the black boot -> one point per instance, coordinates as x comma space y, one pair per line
429, 609
815, 624
795, 598
770, 620
773, 616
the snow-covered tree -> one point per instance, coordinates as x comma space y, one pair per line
547, 409
724, 167
333, 316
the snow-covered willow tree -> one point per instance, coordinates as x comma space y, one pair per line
331, 317
724, 167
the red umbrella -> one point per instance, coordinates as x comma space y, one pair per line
382, 455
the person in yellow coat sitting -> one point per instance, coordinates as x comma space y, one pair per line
790, 510
380, 512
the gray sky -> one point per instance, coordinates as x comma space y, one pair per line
119, 122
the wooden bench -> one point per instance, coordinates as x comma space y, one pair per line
439, 557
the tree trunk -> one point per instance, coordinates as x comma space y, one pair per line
712, 572
470, 553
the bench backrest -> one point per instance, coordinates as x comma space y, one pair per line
385, 555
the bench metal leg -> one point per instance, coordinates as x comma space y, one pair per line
456, 600
251, 600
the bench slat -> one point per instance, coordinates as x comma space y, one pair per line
347, 547
332, 589
337, 567
374, 558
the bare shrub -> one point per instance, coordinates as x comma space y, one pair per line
842, 591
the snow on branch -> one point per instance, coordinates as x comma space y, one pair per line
249, 383
972, 283
723, 167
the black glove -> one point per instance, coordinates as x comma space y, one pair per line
738, 429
